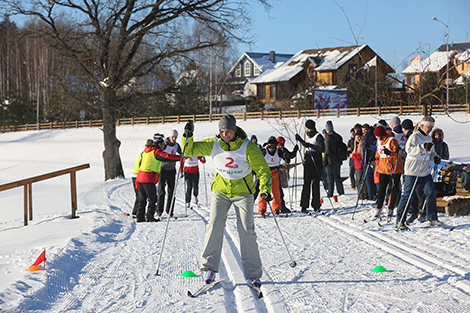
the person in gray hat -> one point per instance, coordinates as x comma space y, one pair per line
332, 161
420, 150
234, 157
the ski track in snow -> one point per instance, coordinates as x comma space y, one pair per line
117, 274
112, 268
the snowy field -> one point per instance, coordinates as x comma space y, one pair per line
105, 262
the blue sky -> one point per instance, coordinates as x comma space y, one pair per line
397, 30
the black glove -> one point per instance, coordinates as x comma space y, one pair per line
437, 160
428, 146
296, 148
265, 144
188, 129
386, 151
298, 138
266, 196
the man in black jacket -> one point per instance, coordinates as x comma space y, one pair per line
313, 167
332, 161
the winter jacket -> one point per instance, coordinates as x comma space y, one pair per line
441, 148
369, 147
332, 142
314, 148
237, 187
351, 151
151, 163
392, 162
356, 155
170, 148
417, 159
193, 169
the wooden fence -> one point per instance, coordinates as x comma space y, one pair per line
399, 110
28, 189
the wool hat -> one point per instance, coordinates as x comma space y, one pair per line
310, 124
382, 123
157, 135
158, 138
380, 132
428, 121
358, 132
272, 141
407, 124
228, 122
173, 132
323, 131
395, 120
329, 126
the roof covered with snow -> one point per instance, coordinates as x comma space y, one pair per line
437, 60
263, 61
324, 59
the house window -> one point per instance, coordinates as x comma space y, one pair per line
262, 92
256, 71
272, 92
352, 70
247, 69
412, 80
238, 71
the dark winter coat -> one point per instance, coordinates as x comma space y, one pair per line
442, 149
332, 142
369, 147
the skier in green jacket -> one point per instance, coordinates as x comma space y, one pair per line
234, 159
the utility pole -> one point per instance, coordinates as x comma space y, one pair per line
447, 56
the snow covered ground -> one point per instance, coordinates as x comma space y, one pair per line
105, 262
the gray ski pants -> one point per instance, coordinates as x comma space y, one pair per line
243, 205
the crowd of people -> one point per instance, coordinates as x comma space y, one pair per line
393, 167
389, 163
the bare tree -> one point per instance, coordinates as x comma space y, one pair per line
114, 43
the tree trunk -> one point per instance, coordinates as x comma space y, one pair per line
112, 160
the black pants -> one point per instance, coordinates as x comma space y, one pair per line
167, 178
146, 192
384, 180
311, 182
192, 185
134, 210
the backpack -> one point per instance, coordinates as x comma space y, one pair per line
342, 151
465, 178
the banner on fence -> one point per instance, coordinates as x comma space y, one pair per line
330, 99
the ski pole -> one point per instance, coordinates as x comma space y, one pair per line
171, 209
205, 185
292, 263
363, 182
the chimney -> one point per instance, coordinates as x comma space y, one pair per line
272, 56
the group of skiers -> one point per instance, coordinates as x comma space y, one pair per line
244, 169
391, 163
155, 171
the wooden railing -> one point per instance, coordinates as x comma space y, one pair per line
28, 190
399, 110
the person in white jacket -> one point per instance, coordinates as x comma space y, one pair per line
417, 170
